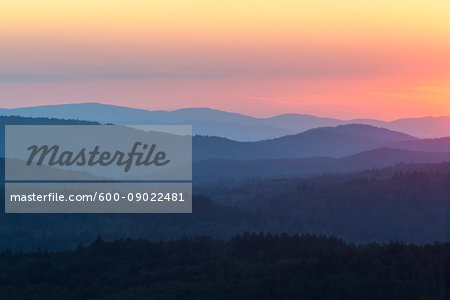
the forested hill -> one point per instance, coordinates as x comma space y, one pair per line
250, 266
17, 120
406, 202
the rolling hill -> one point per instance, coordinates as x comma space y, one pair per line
219, 169
337, 141
429, 145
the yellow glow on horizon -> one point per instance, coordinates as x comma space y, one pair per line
205, 15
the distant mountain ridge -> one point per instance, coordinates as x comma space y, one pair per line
212, 122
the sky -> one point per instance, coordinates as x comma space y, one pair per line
346, 59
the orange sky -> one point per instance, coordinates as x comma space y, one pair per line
380, 59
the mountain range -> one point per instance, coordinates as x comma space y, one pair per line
239, 127
340, 149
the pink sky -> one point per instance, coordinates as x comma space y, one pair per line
358, 59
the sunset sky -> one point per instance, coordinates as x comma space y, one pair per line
367, 59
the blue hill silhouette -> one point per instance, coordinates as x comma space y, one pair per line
207, 121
